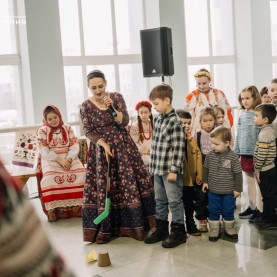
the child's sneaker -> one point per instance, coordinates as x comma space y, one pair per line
203, 226
247, 213
257, 214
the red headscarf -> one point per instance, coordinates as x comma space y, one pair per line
60, 126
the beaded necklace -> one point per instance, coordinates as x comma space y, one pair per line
149, 130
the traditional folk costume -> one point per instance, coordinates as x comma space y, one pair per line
144, 145
132, 193
196, 101
61, 191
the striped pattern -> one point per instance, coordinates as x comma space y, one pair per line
168, 145
222, 168
265, 150
60, 188
24, 247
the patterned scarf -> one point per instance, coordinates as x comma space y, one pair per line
60, 126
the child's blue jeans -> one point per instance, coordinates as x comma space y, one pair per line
168, 195
221, 204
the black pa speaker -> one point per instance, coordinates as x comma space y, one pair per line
157, 52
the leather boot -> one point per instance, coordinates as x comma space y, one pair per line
214, 230
229, 229
159, 233
177, 236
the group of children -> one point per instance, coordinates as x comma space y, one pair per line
200, 173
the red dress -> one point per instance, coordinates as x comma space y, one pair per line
132, 192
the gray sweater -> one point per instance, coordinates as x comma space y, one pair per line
222, 172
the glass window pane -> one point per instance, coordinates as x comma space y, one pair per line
97, 26
74, 91
69, 21
129, 21
192, 69
109, 72
196, 23
273, 11
8, 22
225, 80
10, 99
222, 27
132, 85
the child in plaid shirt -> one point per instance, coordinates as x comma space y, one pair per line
166, 164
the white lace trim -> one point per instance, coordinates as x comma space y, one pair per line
63, 203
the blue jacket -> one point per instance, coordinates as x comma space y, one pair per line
247, 133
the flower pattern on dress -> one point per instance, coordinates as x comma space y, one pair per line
132, 192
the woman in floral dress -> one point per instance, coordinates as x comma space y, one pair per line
104, 116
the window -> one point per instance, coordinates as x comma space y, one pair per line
98, 37
197, 32
10, 97
127, 29
70, 32
210, 43
10, 94
102, 35
8, 20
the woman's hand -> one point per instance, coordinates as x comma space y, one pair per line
106, 147
237, 194
107, 100
65, 163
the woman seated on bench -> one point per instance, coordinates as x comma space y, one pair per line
63, 175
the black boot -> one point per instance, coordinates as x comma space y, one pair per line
190, 223
192, 228
177, 236
159, 233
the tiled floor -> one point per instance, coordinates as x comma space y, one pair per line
254, 254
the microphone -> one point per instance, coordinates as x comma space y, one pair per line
110, 108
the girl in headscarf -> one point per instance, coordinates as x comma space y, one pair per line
62, 184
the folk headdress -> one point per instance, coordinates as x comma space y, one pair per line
143, 103
53, 108
203, 72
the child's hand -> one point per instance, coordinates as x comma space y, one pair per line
144, 150
198, 181
172, 177
205, 187
257, 176
237, 194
